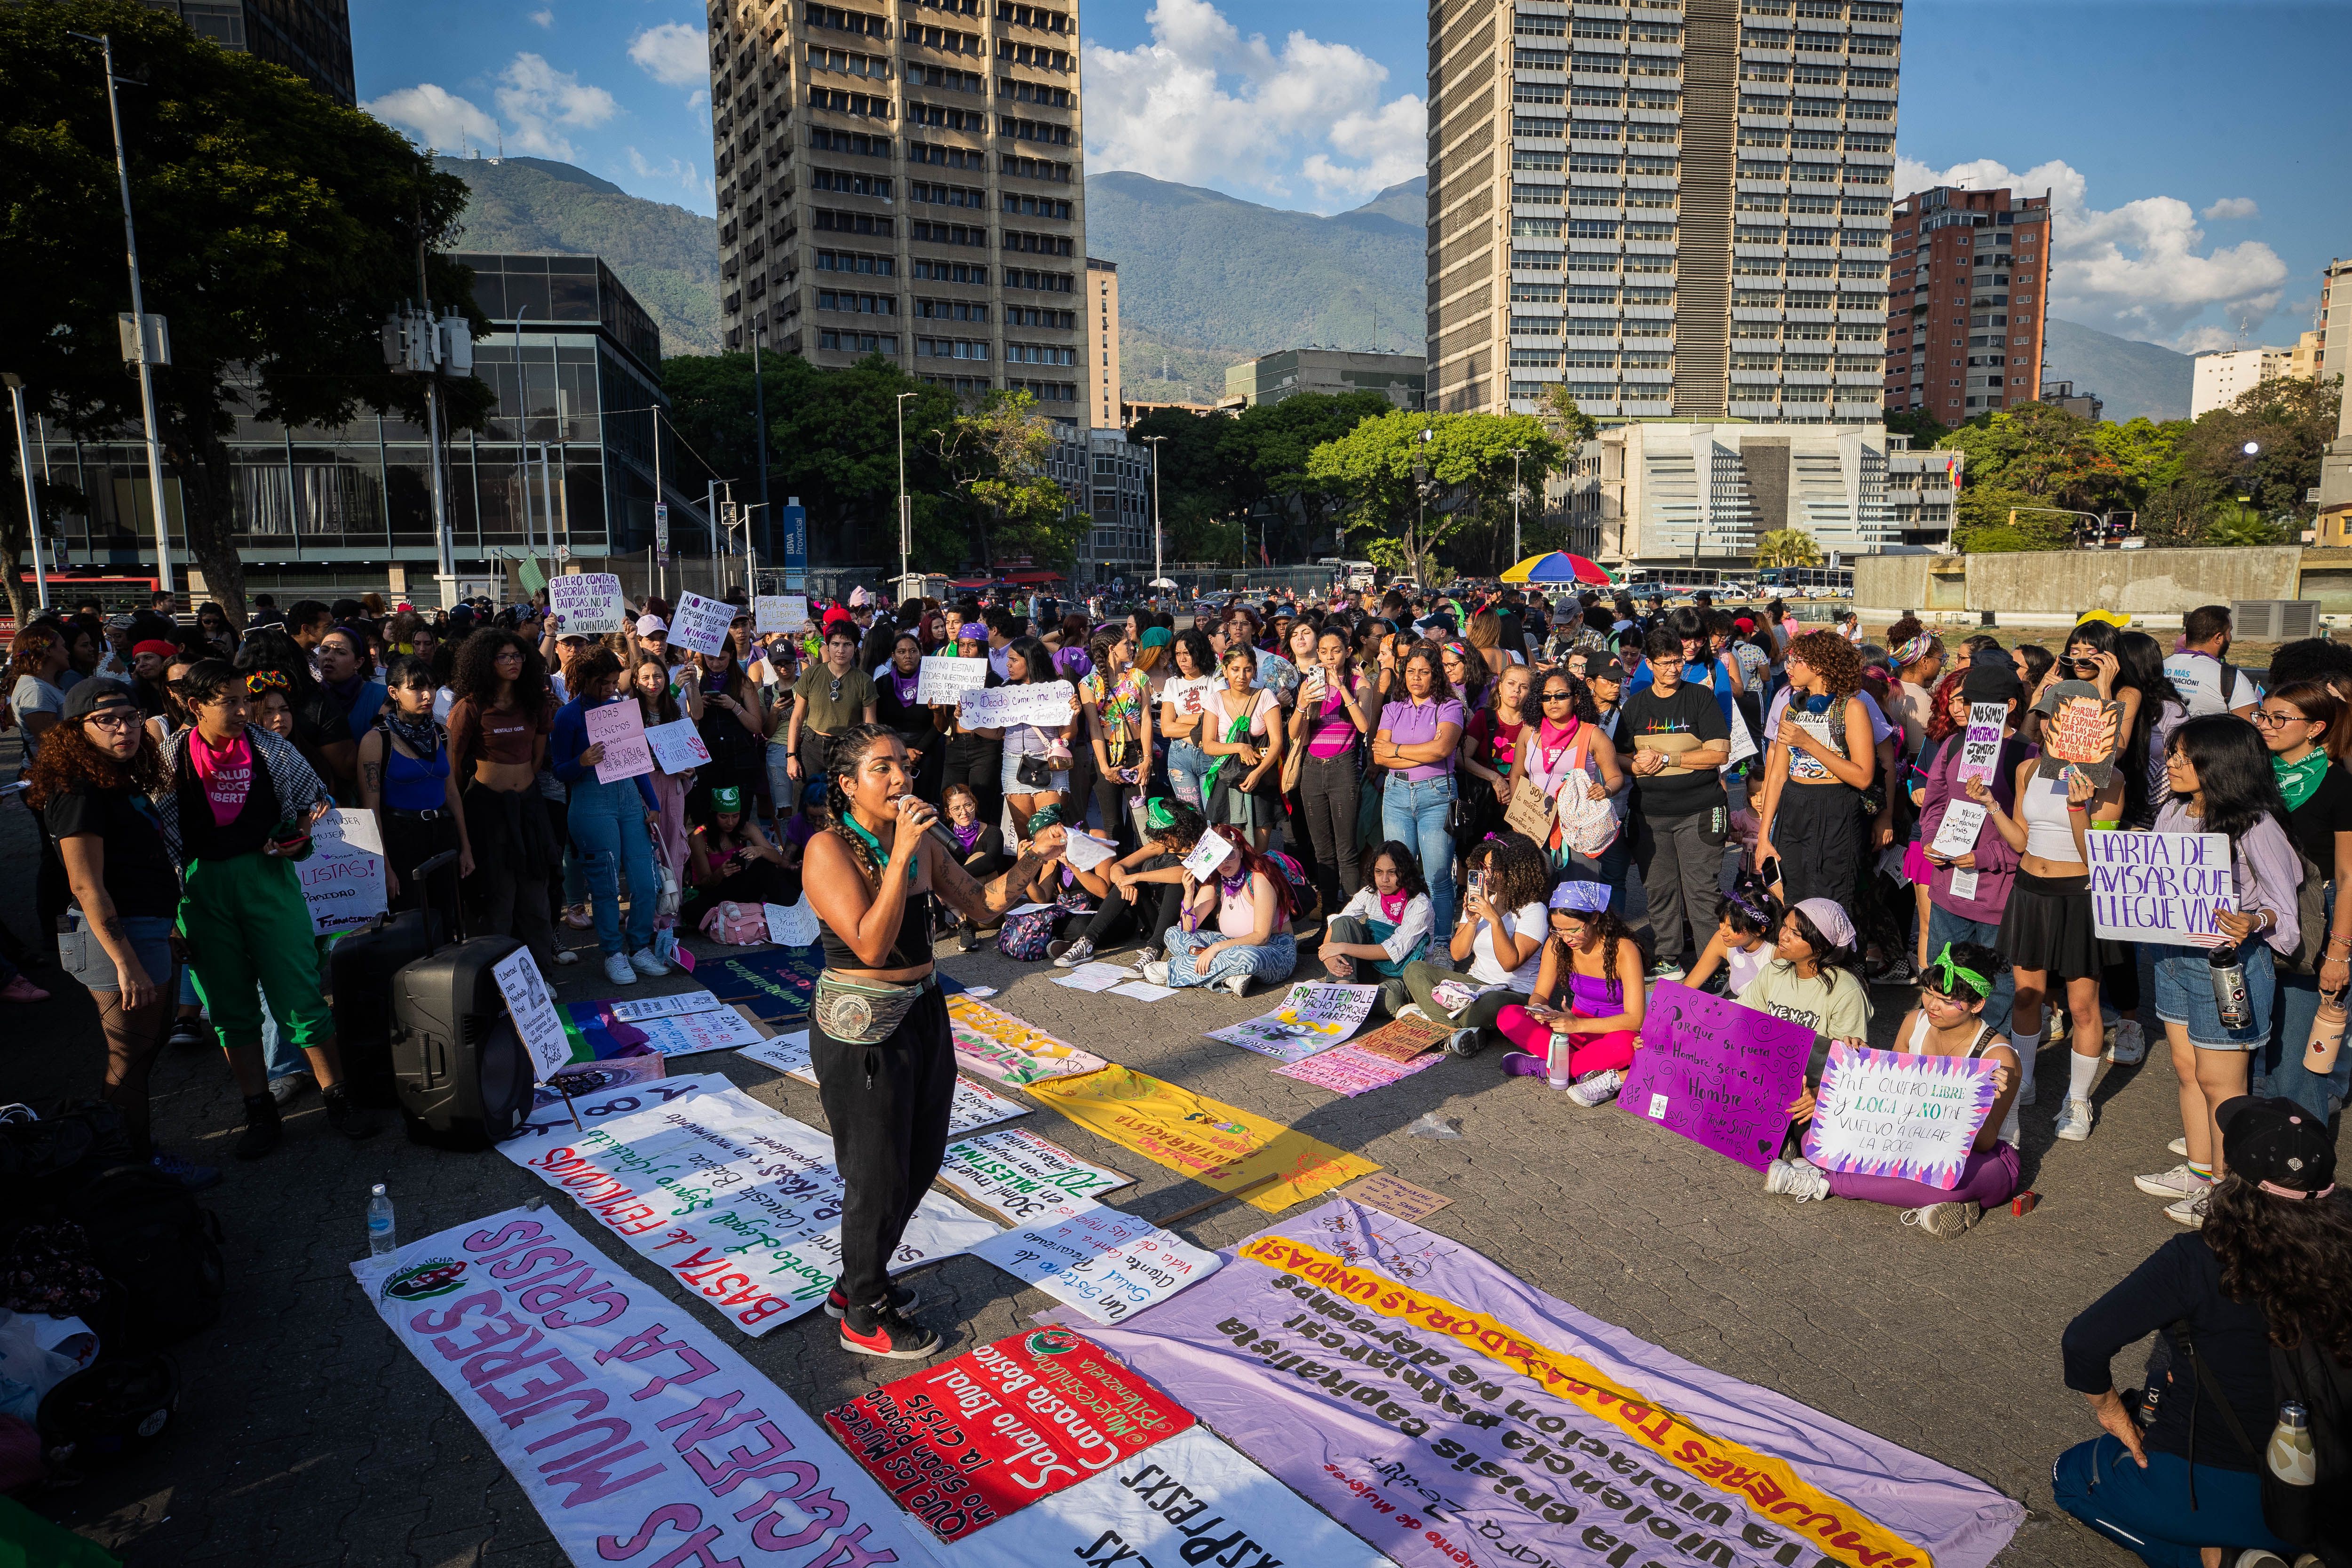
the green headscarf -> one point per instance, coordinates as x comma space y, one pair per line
1040, 820
2298, 781
1947, 972
727, 798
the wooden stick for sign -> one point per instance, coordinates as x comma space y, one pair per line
568, 1106
1209, 1203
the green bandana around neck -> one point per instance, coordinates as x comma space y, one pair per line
2298, 781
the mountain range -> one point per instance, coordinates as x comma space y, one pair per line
1205, 279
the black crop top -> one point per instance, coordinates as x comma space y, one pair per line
910, 949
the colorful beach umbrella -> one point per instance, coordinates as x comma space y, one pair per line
1559, 567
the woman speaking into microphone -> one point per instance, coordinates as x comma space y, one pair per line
879, 1026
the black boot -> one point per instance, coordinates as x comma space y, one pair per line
263, 1131
346, 1116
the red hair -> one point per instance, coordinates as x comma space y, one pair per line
1940, 722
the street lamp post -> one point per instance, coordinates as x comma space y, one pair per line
522, 430
905, 506
1158, 571
1516, 453
32, 505
760, 415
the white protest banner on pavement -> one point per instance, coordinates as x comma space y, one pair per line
1315, 1016
976, 1105
699, 625
1105, 1262
691, 1034
531, 1331
588, 602
635, 1012
533, 1009
606, 1104
2160, 887
1048, 703
792, 924
342, 879
1884, 1113
739, 1204
677, 746
1018, 1175
1957, 834
1981, 747
998, 1046
944, 679
1085, 851
620, 728
1207, 855
779, 613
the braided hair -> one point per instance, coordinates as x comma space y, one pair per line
844, 754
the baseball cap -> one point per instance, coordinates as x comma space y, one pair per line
1606, 669
649, 624
92, 693
2275, 1144
157, 646
1992, 681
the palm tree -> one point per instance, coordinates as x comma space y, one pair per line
1788, 547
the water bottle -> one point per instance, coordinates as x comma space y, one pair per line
2293, 1460
2326, 1036
379, 1221
1555, 1063
2228, 977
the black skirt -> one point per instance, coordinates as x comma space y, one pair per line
2048, 927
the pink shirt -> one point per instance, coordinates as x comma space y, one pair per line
1237, 912
226, 774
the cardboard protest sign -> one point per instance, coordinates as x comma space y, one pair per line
533, 1009
620, 728
1563, 1407
791, 925
966, 1442
531, 1331
944, 679
1717, 1073
1017, 1175
2160, 887
677, 746
1047, 703
1884, 1113
1393, 1195
1402, 1039
1957, 834
1351, 1070
998, 1046
1315, 1016
780, 613
1105, 1262
588, 602
343, 880
1980, 748
699, 625
2080, 730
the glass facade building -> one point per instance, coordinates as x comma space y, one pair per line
312, 38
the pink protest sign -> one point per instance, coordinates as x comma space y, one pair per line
1720, 1073
620, 728
1980, 749
1884, 1113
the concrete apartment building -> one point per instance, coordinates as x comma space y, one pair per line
905, 179
312, 38
2335, 325
1270, 378
1968, 303
1101, 307
2222, 375
1678, 207
2082, 406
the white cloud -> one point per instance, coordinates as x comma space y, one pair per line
444, 121
2138, 269
536, 97
1203, 104
688, 177
2230, 207
544, 17
674, 53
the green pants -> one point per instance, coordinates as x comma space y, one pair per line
247, 925
1422, 978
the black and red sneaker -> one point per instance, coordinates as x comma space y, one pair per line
894, 1336
902, 1297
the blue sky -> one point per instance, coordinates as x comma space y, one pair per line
2198, 150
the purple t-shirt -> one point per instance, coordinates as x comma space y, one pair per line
1415, 724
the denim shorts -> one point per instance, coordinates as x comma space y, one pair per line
1008, 778
2184, 994
81, 956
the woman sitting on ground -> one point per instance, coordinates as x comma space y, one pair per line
1947, 1021
1383, 928
1592, 965
1143, 890
1813, 978
1742, 943
980, 848
728, 859
1249, 900
1499, 936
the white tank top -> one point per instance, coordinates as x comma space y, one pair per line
1743, 966
2049, 826
1917, 1046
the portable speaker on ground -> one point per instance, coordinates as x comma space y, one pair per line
362, 964
462, 1074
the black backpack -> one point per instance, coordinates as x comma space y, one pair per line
2315, 1519
109, 1410
155, 1241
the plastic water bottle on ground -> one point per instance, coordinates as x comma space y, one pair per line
1555, 1063
379, 1223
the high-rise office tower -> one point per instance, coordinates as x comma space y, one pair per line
312, 38
1677, 208
903, 179
1970, 298
1101, 308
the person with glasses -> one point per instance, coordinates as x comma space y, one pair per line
1679, 737
830, 699
1420, 731
2306, 727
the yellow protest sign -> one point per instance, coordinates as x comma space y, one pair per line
1219, 1145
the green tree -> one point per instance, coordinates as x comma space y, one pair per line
1565, 423
996, 456
1262, 455
1416, 482
1788, 547
280, 228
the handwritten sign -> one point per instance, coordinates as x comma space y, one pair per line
1106, 1263
975, 1104
1717, 1073
998, 1046
1957, 834
587, 602
1882, 1113
2160, 887
1351, 1070
1980, 748
1049, 703
1017, 1175
677, 746
1402, 1039
637, 1012
944, 679
342, 881
533, 1010
792, 924
691, 1034
1315, 1016
1207, 855
699, 625
1393, 1195
620, 728
780, 613
2080, 730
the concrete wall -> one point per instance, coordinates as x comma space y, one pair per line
2050, 588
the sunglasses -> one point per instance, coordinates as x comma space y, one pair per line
1560, 696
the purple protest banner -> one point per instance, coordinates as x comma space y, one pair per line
1453, 1416
1720, 1073
1884, 1113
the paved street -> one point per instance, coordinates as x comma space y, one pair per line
307, 1437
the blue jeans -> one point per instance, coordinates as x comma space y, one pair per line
1413, 812
608, 827
2147, 1511
1186, 764
2278, 1067
1943, 926
1269, 963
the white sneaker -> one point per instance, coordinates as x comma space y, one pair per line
1412, 1010
1596, 1088
1237, 983
2262, 1557
2180, 1146
1798, 1179
2126, 1045
567, 955
2189, 1211
644, 961
2179, 1182
617, 969
2025, 1095
1156, 971
2074, 1121
1946, 1220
